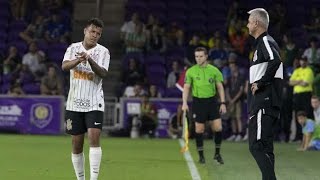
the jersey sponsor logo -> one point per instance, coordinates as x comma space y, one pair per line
96, 123
81, 103
69, 124
83, 75
41, 115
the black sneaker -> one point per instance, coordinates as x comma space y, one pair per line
202, 160
218, 159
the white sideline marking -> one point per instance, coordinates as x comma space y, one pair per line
192, 167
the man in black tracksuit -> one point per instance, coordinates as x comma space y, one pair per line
266, 81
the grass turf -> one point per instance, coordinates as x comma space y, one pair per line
49, 157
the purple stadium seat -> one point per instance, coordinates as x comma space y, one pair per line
3, 47
43, 46
56, 56
58, 46
31, 88
154, 59
17, 25
173, 92
138, 56
22, 46
157, 6
158, 81
177, 6
156, 69
4, 88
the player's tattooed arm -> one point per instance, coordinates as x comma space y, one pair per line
101, 72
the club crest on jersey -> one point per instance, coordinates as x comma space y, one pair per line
211, 80
69, 124
255, 56
198, 78
194, 115
41, 115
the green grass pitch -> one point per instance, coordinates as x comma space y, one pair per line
49, 158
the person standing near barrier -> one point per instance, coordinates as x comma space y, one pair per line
88, 63
266, 82
205, 80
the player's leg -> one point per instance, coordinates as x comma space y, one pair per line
199, 128
75, 126
199, 116
261, 143
216, 127
94, 121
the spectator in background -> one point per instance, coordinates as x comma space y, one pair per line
238, 41
289, 51
148, 117
175, 124
34, 31
214, 40
153, 92
313, 26
55, 30
35, 59
175, 35
302, 80
174, 75
311, 133
25, 76
218, 53
134, 91
15, 89
51, 84
129, 27
12, 63
315, 103
192, 45
234, 91
156, 40
136, 41
18, 8
313, 54
133, 74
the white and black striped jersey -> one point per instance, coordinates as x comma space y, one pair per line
266, 69
86, 93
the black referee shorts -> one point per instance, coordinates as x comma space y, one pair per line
77, 123
205, 109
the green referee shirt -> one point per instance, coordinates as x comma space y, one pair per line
203, 80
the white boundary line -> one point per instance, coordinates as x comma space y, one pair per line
192, 167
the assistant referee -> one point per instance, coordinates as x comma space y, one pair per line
205, 80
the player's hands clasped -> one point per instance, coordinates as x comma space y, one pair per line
82, 56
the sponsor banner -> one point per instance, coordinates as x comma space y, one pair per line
167, 109
31, 115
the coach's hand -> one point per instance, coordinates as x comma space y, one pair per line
254, 88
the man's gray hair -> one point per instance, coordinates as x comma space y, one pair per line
261, 15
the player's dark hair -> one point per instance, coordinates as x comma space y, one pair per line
203, 49
96, 22
301, 113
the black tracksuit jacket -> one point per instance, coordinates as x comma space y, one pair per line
266, 69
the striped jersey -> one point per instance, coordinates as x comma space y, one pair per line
266, 69
86, 93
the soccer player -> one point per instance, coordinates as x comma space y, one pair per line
266, 82
205, 80
88, 63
